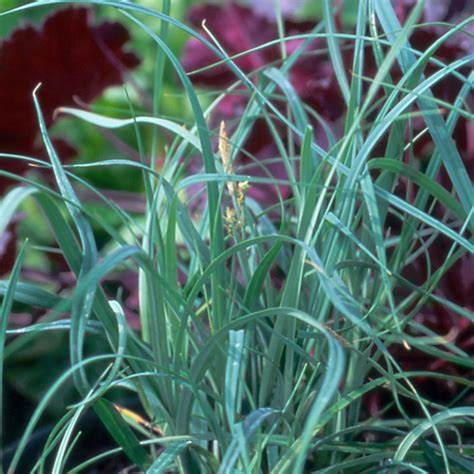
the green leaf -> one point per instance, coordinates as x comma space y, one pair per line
167, 458
5, 310
122, 433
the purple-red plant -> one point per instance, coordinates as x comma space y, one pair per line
7, 248
74, 59
239, 29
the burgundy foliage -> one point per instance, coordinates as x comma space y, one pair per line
74, 59
238, 29
8, 248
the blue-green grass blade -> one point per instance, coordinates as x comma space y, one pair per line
335, 49
93, 327
122, 433
71, 251
250, 425
10, 204
32, 295
5, 310
430, 186
160, 63
355, 98
114, 123
42, 405
164, 461
417, 432
233, 374
81, 312
334, 372
254, 286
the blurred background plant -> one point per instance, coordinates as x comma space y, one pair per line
279, 263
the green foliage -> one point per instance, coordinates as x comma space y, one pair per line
232, 374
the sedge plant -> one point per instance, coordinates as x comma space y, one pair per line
262, 357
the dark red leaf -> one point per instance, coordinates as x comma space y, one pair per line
71, 57
8, 248
239, 29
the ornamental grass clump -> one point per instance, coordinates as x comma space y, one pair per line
293, 290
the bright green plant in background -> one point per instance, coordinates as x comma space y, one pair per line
233, 374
